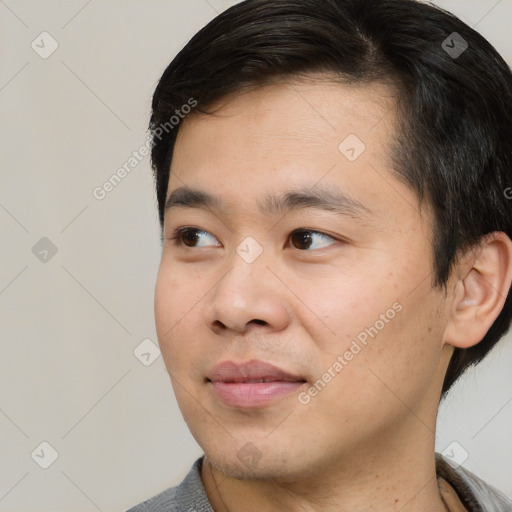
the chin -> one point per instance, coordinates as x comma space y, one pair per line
231, 466
247, 464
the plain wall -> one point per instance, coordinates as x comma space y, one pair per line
70, 321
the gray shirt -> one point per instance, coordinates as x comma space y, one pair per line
190, 495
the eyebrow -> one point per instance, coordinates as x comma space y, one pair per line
328, 199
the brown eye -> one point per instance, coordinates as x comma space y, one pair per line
305, 239
189, 237
193, 237
301, 239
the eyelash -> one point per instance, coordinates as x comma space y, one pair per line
177, 235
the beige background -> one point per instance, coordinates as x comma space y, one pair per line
70, 324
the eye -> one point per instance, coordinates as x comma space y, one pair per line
194, 237
305, 239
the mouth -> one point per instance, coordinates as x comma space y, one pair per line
242, 380
252, 384
251, 371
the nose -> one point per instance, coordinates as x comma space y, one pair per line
248, 297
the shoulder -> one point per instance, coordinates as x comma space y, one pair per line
475, 494
189, 496
162, 502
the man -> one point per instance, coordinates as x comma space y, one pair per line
336, 251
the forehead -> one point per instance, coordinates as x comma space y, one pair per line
290, 120
310, 106
292, 135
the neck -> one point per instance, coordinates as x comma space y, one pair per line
400, 479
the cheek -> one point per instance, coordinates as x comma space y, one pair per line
339, 309
177, 301
374, 321
399, 354
165, 302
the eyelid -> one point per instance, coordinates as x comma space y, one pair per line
176, 234
324, 235
176, 237
313, 230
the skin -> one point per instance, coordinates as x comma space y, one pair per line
366, 441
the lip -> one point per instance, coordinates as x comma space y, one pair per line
229, 371
241, 385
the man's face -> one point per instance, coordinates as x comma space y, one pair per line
311, 257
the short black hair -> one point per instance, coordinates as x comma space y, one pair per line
453, 145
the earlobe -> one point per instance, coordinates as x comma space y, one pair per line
483, 281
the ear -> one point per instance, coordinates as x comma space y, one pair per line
482, 282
